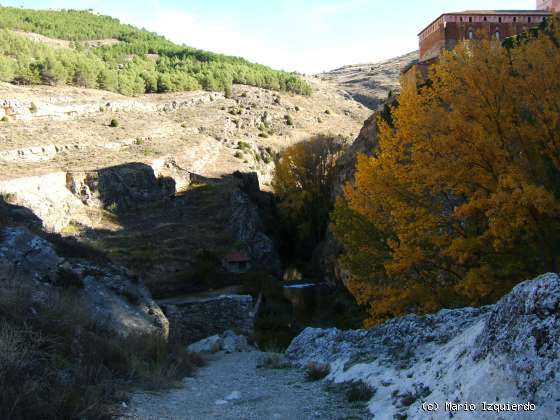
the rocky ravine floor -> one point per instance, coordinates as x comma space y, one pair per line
232, 387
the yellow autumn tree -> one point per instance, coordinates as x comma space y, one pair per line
462, 200
302, 182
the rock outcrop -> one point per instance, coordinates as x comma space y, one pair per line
116, 300
507, 353
62, 107
228, 342
60, 198
247, 227
123, 209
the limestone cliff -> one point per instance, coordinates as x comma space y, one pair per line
507, 353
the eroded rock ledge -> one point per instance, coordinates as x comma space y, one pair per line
504, 353
117, 300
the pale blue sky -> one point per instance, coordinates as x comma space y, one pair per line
304, 35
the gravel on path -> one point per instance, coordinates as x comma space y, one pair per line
232, 387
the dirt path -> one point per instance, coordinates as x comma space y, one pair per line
231, 387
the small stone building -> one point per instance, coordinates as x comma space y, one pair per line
236, 262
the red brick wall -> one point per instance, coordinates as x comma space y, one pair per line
432, 43
449, 30
548, 5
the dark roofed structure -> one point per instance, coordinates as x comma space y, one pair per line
236, 262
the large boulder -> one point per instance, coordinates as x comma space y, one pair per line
117, 300
228, 342
492, 357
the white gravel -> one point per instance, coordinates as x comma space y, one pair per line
231, 387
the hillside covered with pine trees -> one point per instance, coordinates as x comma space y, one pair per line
123, 59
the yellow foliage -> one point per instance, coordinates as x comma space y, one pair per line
303, 183
464, 194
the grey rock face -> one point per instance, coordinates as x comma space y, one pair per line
124, 187
116, 300
247, 227
503, 353
25, 257
522, 334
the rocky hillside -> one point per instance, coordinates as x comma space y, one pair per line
115, 298
503, 359
370, 84
125, 173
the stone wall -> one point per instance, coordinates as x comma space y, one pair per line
193, 320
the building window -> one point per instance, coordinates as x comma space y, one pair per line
471, 34
498, 35
470, 19
515, 19
485, 18
500, 19
529, 19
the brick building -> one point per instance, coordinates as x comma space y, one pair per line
451, 28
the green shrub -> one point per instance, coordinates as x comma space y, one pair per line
5, 119
66, 278
360, 391
273, 361
238, 155
316, 371
289, 120
57, 363
242, 145
228, 93
114, 123
33, 108
328, 112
